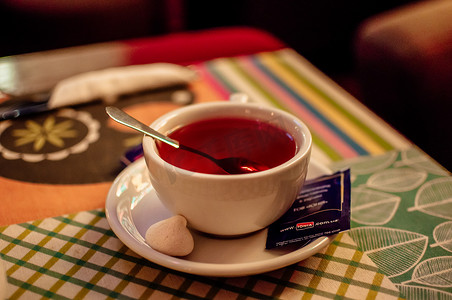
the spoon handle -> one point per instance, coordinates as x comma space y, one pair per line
122, 117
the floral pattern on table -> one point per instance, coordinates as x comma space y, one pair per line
52, 137
415, 255
78, 145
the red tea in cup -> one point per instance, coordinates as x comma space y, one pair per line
225, 137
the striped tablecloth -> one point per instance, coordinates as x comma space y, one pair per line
399, 244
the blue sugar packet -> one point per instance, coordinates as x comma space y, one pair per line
322, 208
132, 155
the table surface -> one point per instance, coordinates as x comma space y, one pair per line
56, 241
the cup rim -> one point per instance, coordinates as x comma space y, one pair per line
303, 151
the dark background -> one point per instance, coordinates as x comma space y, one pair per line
323, 31
320, 30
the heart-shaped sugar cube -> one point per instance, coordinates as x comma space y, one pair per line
170, 236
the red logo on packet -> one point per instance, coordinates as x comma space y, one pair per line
305, 225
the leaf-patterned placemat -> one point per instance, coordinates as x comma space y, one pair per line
402, 219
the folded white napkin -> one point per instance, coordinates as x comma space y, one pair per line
108, 84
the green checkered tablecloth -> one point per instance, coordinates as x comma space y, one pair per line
77, 256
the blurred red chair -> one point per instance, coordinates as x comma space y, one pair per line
404, 58
40, 71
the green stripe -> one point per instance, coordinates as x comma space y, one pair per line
338, 241
347, 262
340, 244
285, 278
102, 230
248, 287
123, 283
215, 288
97, 212
280, 56
157, 280
254, 83
185, 285
355, 282
34, 289
330, 152
378, 278
76, 241
288, 284
11, 246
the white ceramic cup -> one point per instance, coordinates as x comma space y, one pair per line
229, 205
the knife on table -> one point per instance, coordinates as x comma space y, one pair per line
107, 85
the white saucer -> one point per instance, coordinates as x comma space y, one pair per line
132, 206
